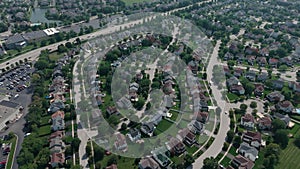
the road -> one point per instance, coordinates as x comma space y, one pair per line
217, 145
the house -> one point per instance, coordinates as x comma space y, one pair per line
226, 70
259, 89
57, 159
168, 101
285, 118
58, 124
196, 127
237, 89
253, 138
34, 36
201, 116
148, 163
264, 123
250, 59
112, 110
238, 72
120, 143
134, 134
287, 61
56, 106
248, 121
60, 114
247, 151
232, 81
251, 75
161, 158
113, 166
175, 146
156, 119
295, 86
15, 42
278, 84
148, 128
241, 162
273, 62
193, 66
262, 77
57, 73
275, 97
56, 145
186, 136
228, 56
57, 134
285, 106
264, 52
203, 106
168, 88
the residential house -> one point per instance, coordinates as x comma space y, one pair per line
247, 151
259, 89
278, 84
112, 110
120, 143
148, 128
186, 136
57, 159
15, 42
168, 88
57, 134
250, 59
113, 166
264, 123
251, 75
273, 62
175, 146
241, 162
237, 89
196, 127
226, 70
287, 61
168, 101
238, 72
57, 73
57, 114
285, 118
285, 106
56, 106
228, 56
56, 145
134, 134
264, 52
161, 158
200, 116
193, 66
148, 163
58, 124
262, 77
232, 81
275, 97
253, 138
156, 119
261, 61
248, 121
203, 105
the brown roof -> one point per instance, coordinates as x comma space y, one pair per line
285, 104
248, 118
253, 135
57, 158
201, 116
149, 162
243, 162
57, 134
113, 166
58, 113
265, 121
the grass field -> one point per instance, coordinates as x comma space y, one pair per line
232, 97
130, 2
44, 130
290, 155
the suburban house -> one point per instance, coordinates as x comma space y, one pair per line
250, 59
161, 158
273, 62
168, 88
285, 118
259, 89
278, 84
200, 116
15, 42
232, 81
237, 89
57, 159
247, 151
134, 134
112, 110
196, 127
295, 86
250, 75
275, 97
285, 106
133, 89
262, 77
242, 162
264, 123
186, 136
168, 101
253, 138
248, 121
262, 61
56, 106
156, 119
120, 143
58, 123
175, 146
238, 72
147, 163
193, 66
57, 134
148, 128
56, 145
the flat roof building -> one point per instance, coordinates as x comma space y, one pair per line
9, 111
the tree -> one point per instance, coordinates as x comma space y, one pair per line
75, 144
230, 135
188, 160
140, 103
281, 138
271, 155
98, 152
69, 45
123, 126
41, 64
210, 163
278, 124
104, 68
77, 166
204, 76
297, 141
62, 49
249, 88
243, 107
225, 146
253, 105
43, 158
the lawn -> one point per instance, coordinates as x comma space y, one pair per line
226, 161
232, 151
55, 56
12, 152
164, 125
289, 157
232, 97
191, 150
130, 2
123, 162
44, 130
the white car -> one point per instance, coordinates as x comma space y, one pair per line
16, 96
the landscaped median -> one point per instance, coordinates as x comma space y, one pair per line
11, 155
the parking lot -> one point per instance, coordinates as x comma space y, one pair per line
14, 82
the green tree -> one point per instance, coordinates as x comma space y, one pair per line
243, 107
43, 158
281, 137
297, 141
188, 160
98, 152
278, 124
249, 88
230, 135
210, 163
75, 143
41, 64
253, 105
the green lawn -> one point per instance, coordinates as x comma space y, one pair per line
164, 125
289, 157
130, 2
55, 56
12, 152
226, 161
191, 150
232, 151
44, 130
232, 97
